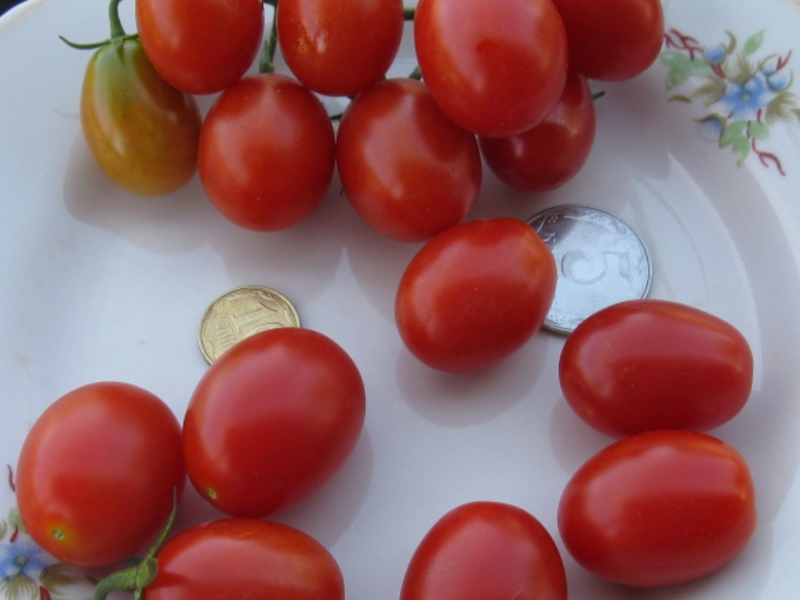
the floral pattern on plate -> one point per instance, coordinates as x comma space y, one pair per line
743, 92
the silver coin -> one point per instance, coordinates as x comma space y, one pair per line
600, 261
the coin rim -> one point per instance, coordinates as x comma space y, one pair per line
260, 288
564, 208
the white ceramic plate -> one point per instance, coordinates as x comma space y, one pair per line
97, 284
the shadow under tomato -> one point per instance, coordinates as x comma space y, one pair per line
465, 399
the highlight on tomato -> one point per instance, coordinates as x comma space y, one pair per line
495, 67
474, 294
485, 550
655, 364
339, 48
272, 420
201, 46
98, 473
612, 40
554, 151
142, 131
408, 170
267, 152
658, 508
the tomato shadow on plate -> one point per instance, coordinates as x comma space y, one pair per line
325, 515
466, 399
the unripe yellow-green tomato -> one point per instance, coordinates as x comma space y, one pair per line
142, 131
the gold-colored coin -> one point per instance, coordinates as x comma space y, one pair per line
241, 313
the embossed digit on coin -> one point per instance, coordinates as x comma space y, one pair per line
601, 261
240, 313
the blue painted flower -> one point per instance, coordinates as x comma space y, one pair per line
715, 54
770, 66
23, 557
710, 129
778, 81
742, 102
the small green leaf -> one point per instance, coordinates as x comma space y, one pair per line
741, 147
753, 43
758, 130
680, 98
742, 71
733, 131
712, 91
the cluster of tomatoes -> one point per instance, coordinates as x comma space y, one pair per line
502, 82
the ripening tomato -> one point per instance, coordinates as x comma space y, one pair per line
552, 153
272, 420
612, 40
267, 152
407, 169
98, 472
658, 508
654, 364
495, 67
339, 48
142, 131
475, 293
201, 46
245, 559
486, 551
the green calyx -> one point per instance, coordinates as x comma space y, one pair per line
118, 34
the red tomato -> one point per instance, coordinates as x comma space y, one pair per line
97, 473
495, 67
658, 508
407, 169
653, 364
201, 46
612, 40
551, 153
475, 294
339, 48
245, 559
272, 420
267, 152
486, 551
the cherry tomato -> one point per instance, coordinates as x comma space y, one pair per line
475, 294
141, 131
339, 48
407, 169
653, 364
495, 67
272, 420
201, 46
486, 551
612, 40
267, 152
551, 153
658, 508
97, 473
245, 559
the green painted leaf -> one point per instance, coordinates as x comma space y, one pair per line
781, 108
741, 147
758, 130
753, 43
733, 131
742, 70
680, 98
712, 91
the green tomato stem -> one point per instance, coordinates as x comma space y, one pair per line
409, 13
597, 95
117, 30
267, 63
136, 579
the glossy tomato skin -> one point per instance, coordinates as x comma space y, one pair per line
245, 559
486, 551
655, 364
612, 40
495, 67
201, 46
474, 294
339, 48
658, 508
142, 131
272, 420
97, 473
267, 152
408, 170
550, 154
